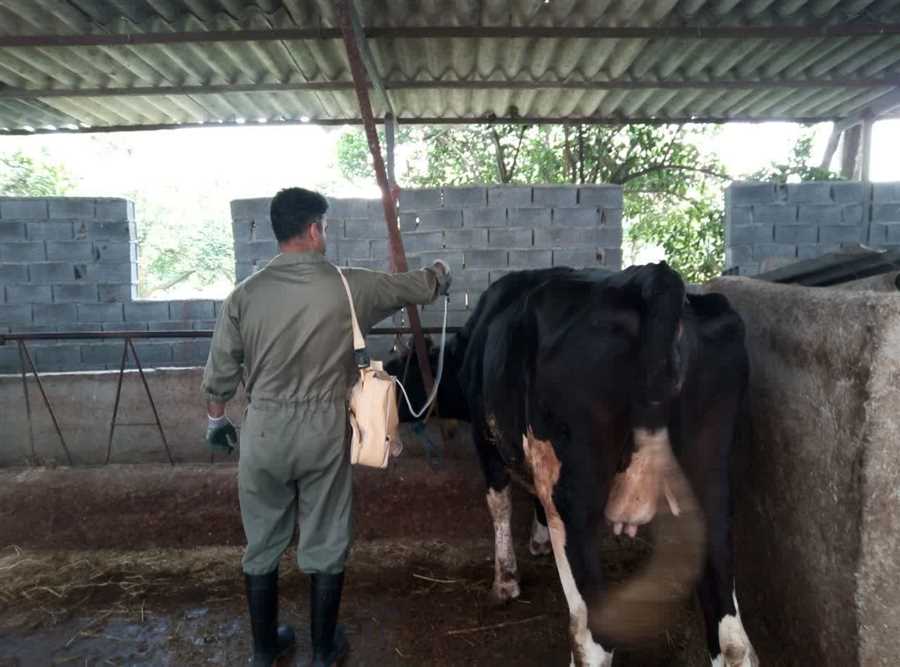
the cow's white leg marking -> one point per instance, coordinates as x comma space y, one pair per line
539, 544
545, 467
506, 571
634, 493
735, 647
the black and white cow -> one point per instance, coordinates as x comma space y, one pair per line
596, 383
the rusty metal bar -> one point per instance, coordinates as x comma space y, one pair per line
742, 32
395, 242
21, 345
159, 427
112, 422
24, 350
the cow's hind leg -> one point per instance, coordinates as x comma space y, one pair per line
539, 544
499, 502
546, 468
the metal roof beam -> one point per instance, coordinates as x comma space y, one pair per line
885, 105
429, 32
615, 84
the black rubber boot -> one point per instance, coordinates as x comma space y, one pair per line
270, 641
328, 639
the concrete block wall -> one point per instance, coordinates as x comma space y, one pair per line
70, 264
769, 225
483, 232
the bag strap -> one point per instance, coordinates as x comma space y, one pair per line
360, 353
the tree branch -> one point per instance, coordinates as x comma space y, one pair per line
498, 156
512, 170
674, 167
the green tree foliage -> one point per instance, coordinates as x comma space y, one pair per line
798, 167
25, 176
672, 191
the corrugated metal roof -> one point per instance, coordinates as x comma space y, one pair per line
95, 64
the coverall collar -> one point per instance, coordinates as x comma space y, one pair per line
289, 258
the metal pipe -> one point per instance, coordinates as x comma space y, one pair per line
112, 421
40, 385
140, 369
21, 345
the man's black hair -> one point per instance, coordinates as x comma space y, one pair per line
293, 210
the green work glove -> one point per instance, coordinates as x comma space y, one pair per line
221, 435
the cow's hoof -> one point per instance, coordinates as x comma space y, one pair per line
539, 544
737, 651
505, 589
536, 548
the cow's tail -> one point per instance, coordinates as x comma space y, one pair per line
646, 604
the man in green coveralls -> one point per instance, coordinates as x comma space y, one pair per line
286, 331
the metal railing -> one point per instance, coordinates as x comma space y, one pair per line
27, 367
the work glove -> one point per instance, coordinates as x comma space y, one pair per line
221, 435
442, 272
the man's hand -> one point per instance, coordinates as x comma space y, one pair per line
221, 435
442, 272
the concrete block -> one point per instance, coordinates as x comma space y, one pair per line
453, 258
465, 197
23, 209
423, 241
602, 196
15, 314
893, 233
13, 274
466, 238
750, 234
365, 229
75, 293
737, 255
50, 230
48, 273
848, 192
577, 258
115, 210
154, 354
509, 196
886, 213
72, 207
112, 251
100, 312
354, 248
612, 259
22, 251
379, 249
820, 215
54, 314
470, 279
57, 358
817, 192
497, 274
530, 259
145, 311
529, 217
510, 238
203, 325
738, 194
115, 292
423, 198
778, 214
842, 234
9, 359
877, 234
575, 237
357, 207
555, 196
105, 231
261, 230
611, 217
486, 259
809, 250
70, 251
852, 214
29, 294
248, 209
12, 231
121, 273
763, 251
101, 355
171, 325
447, 218
191, 310
886, 193
255, 251
576, 217
484, 217
242, 270
241, 230
739, 215
796, 234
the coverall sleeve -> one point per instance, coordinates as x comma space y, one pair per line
226, 354
377, 295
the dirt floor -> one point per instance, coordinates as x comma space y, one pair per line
406, 603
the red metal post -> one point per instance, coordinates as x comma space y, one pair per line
395, 242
